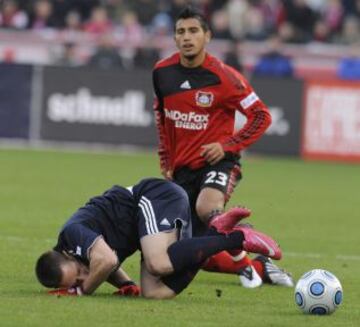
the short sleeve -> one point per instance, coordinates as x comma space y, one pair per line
77, 240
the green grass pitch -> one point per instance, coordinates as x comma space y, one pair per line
312, 209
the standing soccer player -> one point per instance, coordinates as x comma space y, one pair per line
197, 96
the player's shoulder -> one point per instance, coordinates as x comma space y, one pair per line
228, 74
168, 61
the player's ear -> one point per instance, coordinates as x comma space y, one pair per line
207, 36
67, 256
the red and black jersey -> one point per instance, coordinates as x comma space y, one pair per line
196, 106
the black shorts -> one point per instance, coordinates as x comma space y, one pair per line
223, 176
164, 208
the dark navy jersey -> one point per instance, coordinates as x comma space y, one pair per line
121, 216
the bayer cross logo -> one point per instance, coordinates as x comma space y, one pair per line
204, 99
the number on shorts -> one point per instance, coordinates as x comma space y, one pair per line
216, 177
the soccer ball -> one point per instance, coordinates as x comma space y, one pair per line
318, 292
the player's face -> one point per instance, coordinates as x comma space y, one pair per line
73, 274
190, 38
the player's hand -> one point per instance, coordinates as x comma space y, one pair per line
212, 152
72, 291
129, 289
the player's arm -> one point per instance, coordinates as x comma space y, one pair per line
245, 100
258, 120
102, 262
126, 287
118, 278
160, 125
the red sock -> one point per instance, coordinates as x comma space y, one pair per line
223, 263
259, 267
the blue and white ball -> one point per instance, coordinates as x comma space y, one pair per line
318, 292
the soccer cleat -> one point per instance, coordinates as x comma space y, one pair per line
249, 278
257, 242
273, 274
224, 222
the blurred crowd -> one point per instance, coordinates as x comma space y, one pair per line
111, 22
295, 21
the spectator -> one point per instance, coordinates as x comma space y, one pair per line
302, 17
333, 15
69, 56
86, 7
115, 8
274, 63
146, 57
42, 15
255, 25
274, 14
131, 29
220, 25
321, 32
106, 56
350, 31
60, 10
146, 10
161, 25
237, 10
351, 7
131, 36
99, 22
11, 16
288, 33
232, 57
349, 67
73, 21
317, 5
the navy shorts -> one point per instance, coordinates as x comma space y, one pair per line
162, 209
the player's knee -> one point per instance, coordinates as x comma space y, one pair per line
159, 266
158, 294
204, 210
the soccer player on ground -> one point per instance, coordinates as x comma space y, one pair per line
196, 97
153, 216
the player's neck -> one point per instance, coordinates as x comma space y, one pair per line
193, 62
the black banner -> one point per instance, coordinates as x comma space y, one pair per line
87, 105
284, 98
15, 100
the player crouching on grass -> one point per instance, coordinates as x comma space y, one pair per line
154, 217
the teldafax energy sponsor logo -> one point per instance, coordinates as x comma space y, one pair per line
84, 107
189, 120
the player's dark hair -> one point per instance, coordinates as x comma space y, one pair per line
48, 268
191, 12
